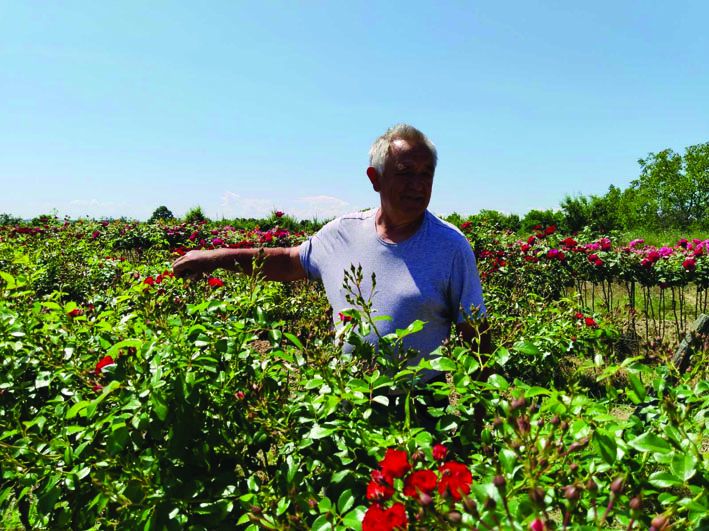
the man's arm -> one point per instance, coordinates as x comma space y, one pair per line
280, 263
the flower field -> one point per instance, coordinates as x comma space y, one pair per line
133, 399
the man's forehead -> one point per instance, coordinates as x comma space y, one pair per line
403, 150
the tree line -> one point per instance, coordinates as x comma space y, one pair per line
671, 192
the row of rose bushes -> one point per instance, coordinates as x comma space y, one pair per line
154, 403
570, 257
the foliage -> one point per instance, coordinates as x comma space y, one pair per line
132, 399
162, 213
535, 219
195, 215
672, 191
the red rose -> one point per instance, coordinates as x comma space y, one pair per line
455, 480
149, 281
579, 315
591, 322
537, 525
439, 452
104, 362
344, 318
215, 282
689, 264
420, 481
279, 214
377, 519
379, 490
395, 463
76, 312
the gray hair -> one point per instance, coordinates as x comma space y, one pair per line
379, 152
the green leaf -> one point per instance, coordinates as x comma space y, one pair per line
638, 386
649, 442
282, 506
76, 408
413, 328
324, 505
442, 364
345, 501
664, 480
381, 399
684, 466
498, 382
319, 432
526, 347
353, 519
293, 339
508, 459
159, 405
321, 523
606, 445
118, 438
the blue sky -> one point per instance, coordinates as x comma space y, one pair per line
115, 108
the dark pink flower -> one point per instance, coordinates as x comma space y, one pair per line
689, 264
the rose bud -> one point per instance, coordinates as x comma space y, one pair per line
571, 493
518, 403
523, 425
617, 486
470, 505
659, 522
537, 495
635, 503
417, 456
490, 504
497, 422
555, 420
455, 517
564, 425
425, 499
499, 482
573, 467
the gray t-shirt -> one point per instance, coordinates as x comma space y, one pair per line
429, 276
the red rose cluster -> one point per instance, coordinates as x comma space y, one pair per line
452, 480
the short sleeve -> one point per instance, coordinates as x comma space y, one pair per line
307, 258
466, 294
314, 251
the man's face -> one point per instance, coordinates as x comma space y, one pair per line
405, 187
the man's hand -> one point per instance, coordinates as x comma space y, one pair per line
195, 264
281, 263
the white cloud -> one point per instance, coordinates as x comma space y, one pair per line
320, 206
234, 205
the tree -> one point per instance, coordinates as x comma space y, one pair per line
162, 213
541, 218
576, 212
195, 215
674, 189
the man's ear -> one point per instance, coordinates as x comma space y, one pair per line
374, 177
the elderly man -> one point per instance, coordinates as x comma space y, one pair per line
424, 267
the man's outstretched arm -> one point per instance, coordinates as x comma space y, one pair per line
280, 263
